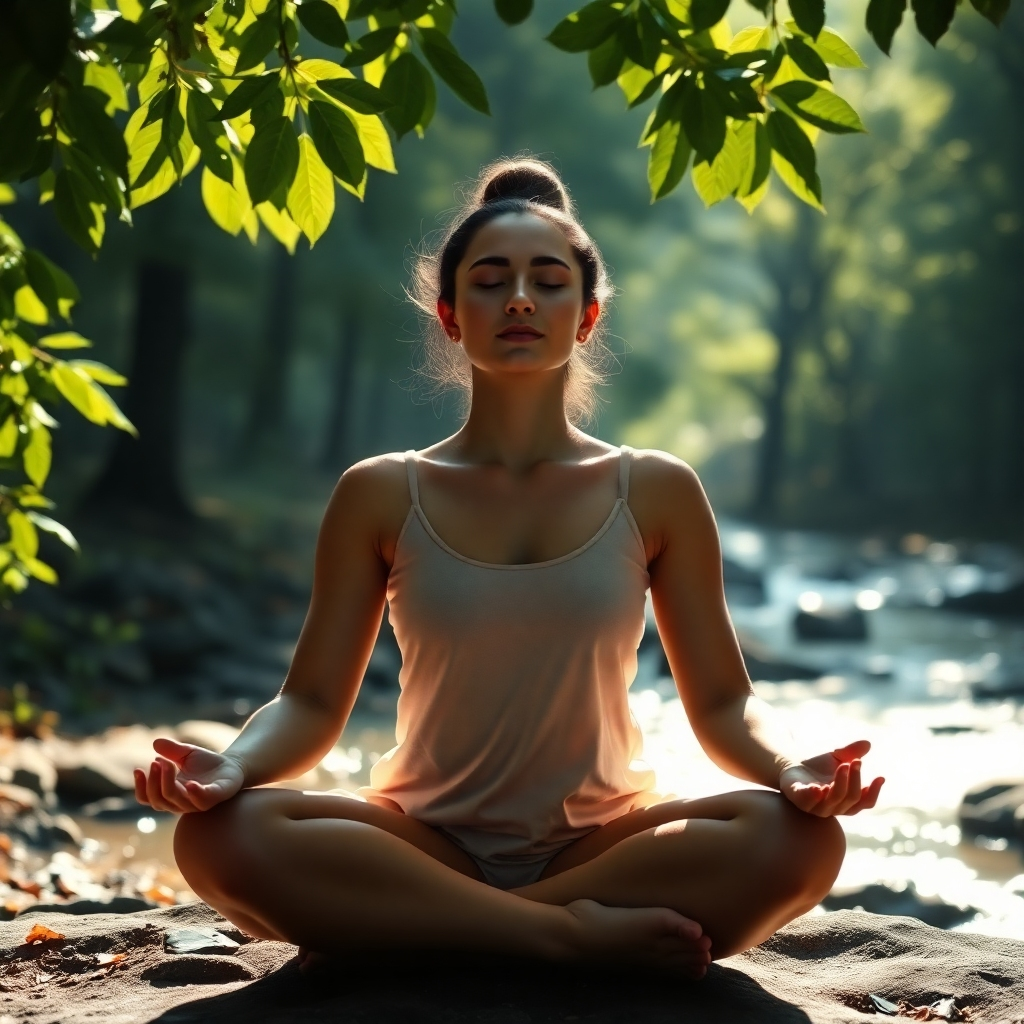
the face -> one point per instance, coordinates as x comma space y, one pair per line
518, 297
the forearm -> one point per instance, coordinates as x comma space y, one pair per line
283, 739
745, 737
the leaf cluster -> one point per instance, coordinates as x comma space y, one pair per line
36, 294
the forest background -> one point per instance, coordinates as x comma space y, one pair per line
860, 370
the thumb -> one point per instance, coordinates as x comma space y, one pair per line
852, 751
172, 749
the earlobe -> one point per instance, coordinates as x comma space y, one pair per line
446, 315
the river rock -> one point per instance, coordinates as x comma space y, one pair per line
821, 969
25, 763
994, 809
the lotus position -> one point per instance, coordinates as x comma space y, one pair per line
513, 815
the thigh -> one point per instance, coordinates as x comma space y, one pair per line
207, 842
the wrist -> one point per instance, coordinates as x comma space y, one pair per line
782, 765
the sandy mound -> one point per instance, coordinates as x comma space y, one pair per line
819, 969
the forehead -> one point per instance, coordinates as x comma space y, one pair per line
519, 236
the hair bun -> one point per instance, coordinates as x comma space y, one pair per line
532, 180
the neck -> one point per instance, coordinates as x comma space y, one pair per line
517, 420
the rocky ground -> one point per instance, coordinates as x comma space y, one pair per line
184, 964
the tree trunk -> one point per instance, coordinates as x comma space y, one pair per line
338, 442
771, 453
268, 402
144, 474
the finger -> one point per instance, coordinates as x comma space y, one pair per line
140, 785
854, 791
840, 787
172, 749
203, 796
154, 797
173, 794
807, 796
869, 797
852, 751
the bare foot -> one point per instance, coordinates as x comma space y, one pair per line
655, 936
311, 961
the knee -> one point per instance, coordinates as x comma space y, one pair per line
216, 850
805, 852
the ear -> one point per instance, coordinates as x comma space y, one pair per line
446, 315
590, 315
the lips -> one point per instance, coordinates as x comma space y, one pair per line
520, 332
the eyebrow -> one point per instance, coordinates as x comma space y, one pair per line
503, 261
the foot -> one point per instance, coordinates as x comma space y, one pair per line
311, 961
654, 936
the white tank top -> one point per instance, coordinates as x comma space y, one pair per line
514, 734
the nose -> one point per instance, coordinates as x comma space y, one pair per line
520, 302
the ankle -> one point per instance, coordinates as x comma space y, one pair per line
562, 940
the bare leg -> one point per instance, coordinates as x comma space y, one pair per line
330, 873
742, 864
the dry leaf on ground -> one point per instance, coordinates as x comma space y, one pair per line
40, 933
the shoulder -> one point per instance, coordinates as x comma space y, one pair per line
667, 500
371, 500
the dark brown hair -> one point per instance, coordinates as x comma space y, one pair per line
509, 185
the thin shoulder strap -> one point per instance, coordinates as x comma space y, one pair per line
410, 470
624, 459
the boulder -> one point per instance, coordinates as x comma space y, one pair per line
26, 763
994, 809
822, 969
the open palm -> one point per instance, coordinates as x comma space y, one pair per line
830, 783
187, 778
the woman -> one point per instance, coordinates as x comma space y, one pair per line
514, 556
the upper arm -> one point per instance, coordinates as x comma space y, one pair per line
353, 553
687, 590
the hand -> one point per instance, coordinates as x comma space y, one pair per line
187, 778
830, 783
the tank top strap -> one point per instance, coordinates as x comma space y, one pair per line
625, 456
410, 472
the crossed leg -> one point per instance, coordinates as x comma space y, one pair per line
332, 873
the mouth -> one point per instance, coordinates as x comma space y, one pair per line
520, 332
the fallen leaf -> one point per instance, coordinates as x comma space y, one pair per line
105, 959
945, 1008
882, 1005
161, 894
5, 842
27, 885
40, 933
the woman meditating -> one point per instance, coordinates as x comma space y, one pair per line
514, 556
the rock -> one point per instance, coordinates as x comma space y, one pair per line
823, 969
199, 940
102, 766
113, 905
25, 763
884, 899
994, 809
841, 624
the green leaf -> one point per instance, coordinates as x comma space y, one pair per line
994, 10
311, 197
706, 13
605, 61
809, 15
721, 177
835, 50
669, 107
586, 28
84, 113
753, 137
647, 91
883, 18
74, 211
88, 397
209, 135
337, 141
933, 17
37, 456
99, 372
807, 59
453, 70
703, 121
8, 437
57, 529
24, 539
667, 163
19, 131
405, 87
271, 159
40, 570
817, 106
225, 205
251, 93
44, 283
65, 339
323, 22
788, 139
258, 40
371, 46
357, 94
512, 12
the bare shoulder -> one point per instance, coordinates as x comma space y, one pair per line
667, 500
371, 501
